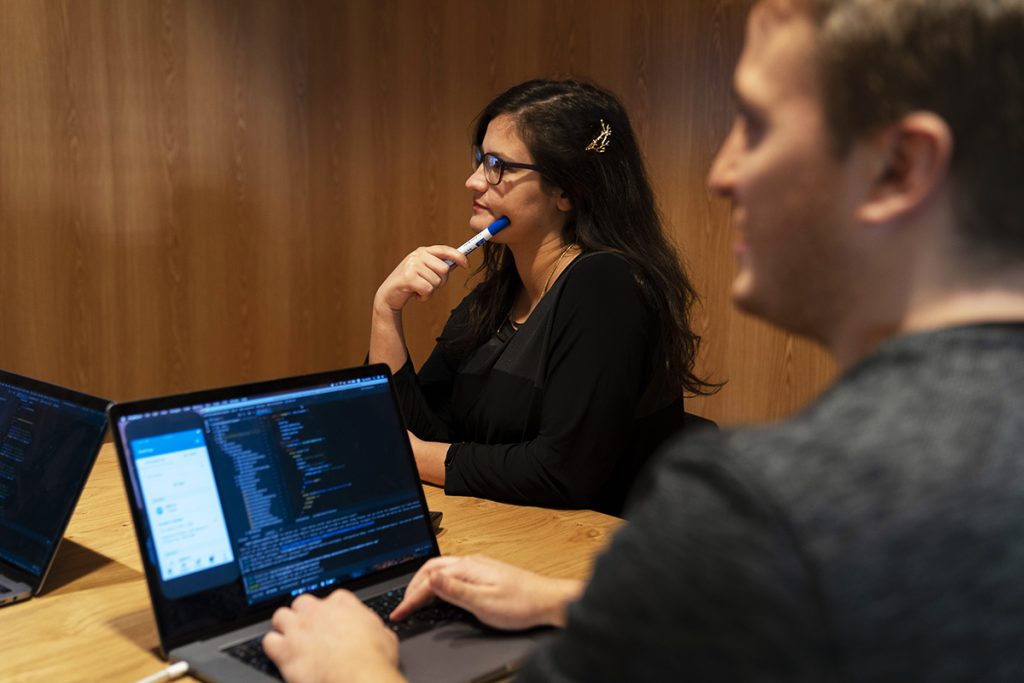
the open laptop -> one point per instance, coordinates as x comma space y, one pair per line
49, 439
246, 497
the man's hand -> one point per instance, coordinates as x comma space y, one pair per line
499, 594
332, 640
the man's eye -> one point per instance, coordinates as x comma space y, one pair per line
753, 128
751, 135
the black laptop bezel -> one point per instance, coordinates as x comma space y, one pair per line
170, 641
87, 401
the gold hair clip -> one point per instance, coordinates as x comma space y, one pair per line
600, 143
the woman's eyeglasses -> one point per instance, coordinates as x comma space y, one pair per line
494, 166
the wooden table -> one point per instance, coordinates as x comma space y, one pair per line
93, 620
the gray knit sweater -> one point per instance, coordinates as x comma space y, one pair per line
877, 536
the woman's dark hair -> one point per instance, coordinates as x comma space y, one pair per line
613, 211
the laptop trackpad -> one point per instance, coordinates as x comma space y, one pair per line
462, 652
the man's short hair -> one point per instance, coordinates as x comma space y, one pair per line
960, 59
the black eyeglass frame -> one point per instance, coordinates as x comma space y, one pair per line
480, 158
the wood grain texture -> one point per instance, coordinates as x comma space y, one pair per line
93, 621
199, 193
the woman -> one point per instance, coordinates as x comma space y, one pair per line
557, 376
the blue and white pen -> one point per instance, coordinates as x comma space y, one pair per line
476, 240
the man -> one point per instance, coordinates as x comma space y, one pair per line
879, 534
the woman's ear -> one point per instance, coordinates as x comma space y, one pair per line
562, 201
911, 159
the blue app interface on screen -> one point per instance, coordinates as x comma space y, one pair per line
185, 516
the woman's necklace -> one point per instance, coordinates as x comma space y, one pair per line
547, 283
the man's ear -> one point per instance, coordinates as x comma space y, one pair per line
911, 158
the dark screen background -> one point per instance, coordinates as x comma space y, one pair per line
331, 469
47, 447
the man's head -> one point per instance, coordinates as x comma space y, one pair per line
875, 138
961, 59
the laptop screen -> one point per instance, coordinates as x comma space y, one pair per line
251, 497
49, 438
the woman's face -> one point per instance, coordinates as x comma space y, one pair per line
534, 208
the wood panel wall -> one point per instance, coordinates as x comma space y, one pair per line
203, 192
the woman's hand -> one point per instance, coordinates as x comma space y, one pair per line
430, 456
497, 593
419, 275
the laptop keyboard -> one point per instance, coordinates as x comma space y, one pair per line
422, 620
251, 651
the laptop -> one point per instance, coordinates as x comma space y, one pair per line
49, 439
245, 497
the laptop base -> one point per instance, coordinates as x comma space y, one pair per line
453, 653
13, 591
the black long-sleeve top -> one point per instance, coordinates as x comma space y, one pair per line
562, 412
